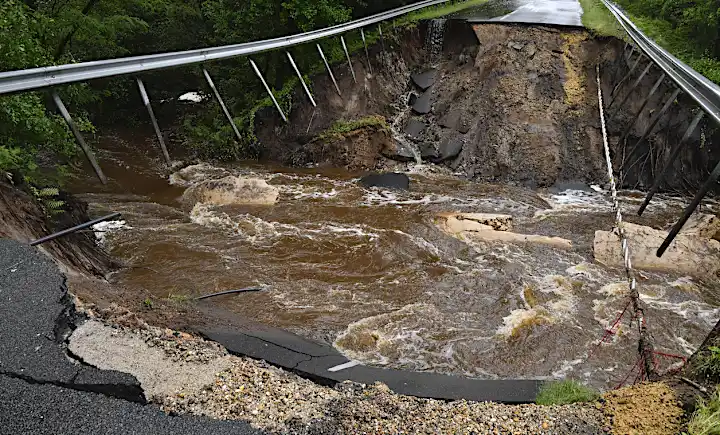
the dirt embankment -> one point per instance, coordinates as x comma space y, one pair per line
23, 218
519, 102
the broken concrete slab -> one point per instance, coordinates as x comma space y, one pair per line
35, 309
415, 128
399, 152
312, 360
454, 223
687, 254
449, 149
423, 105
451, 119
425, 79
428, 152
113, 349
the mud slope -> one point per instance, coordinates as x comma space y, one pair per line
516, 99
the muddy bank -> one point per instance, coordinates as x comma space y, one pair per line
25, 217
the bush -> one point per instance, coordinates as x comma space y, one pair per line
707, 364
565, 393
706, 418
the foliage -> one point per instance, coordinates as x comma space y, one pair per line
706, 418
341, 127
565, 393
707, 364
690, 29
48, 199
598, 19
440, 10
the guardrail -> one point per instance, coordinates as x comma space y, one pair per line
37, 78
705, 93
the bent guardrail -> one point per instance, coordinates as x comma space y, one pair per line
705, 93
37, 78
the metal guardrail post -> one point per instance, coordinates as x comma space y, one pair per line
79, 138
382, 38
73, 229
627, 76
670, 161
632, 89
269, 91
158, 133
655, 121
222, 104
367, 52
327, 65
347, 54
644, 104
302, 80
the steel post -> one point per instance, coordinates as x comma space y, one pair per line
644, 104
327, 65
78, 137
632, 88
382, 39
148, 106
632, 70
655, 120
302, 80
347, 54
267, 88
222, 105
670, 161
709, 184
367, 52
73, 229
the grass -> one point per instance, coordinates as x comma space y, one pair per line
706, 418
342, 127
439, 11
598, 19
707, 364
565, 393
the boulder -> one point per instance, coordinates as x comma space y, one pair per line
232, 191
391, 180
423, 105
454, 223
194, 174
688, 254
415, 128
425, 79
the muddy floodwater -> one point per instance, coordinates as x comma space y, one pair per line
369, 271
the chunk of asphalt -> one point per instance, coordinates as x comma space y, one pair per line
27, 408
424, 80
387, 181
449, 149
399, 152
415, 128
33, 308
428, 151
423, 105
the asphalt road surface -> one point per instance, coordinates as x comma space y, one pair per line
550, 12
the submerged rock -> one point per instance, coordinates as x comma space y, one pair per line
232, 190
690, 254
194, 174
392, 180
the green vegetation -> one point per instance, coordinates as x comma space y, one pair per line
598, 19
565, 393
689, 29
148, 303
340, 128
440, 10
706, 419
707, 364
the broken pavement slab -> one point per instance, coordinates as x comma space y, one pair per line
415, 128
423, 105
35, 305
424, 80
50, 390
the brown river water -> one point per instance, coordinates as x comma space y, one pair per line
369, 271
